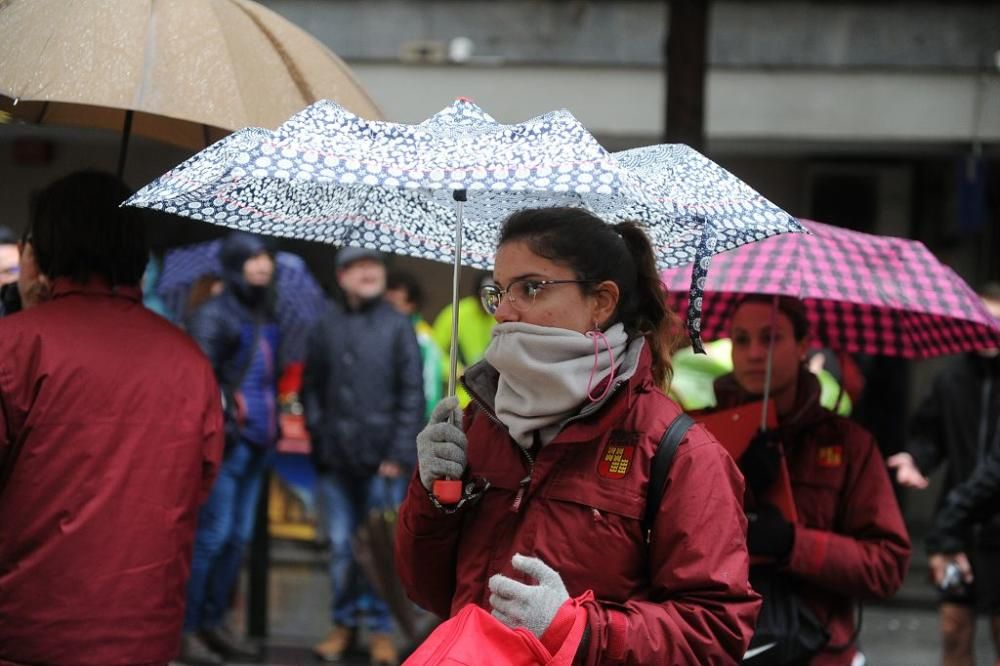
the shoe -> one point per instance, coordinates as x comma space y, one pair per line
194, 652
335, 645
230, 646
382, 650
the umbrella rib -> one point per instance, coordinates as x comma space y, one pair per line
41, 114
48, 40
147, 59
308, 96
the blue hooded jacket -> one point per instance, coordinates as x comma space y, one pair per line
239, 333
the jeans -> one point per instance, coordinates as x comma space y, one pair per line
345, 500
225, 527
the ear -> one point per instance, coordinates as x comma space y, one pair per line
604, 302
802, 346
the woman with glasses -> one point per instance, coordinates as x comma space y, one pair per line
555, 454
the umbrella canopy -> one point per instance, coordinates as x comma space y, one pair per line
327, 175
863, 293
300, 298
190, 70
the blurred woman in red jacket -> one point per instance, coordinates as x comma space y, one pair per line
568, 408
848, 542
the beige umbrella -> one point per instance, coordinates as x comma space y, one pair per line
184, 72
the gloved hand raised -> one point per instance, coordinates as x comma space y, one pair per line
768, 533
530, 606
441, 445
761, 462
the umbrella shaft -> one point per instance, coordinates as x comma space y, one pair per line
770, 360
453, 372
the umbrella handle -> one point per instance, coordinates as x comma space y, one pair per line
447, 491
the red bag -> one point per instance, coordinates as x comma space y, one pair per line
474, 637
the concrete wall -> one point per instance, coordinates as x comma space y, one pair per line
625, 105
777, 33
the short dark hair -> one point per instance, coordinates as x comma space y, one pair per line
597, 251
80, 231
408, 283
789, 306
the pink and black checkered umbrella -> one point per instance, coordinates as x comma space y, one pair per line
864, 293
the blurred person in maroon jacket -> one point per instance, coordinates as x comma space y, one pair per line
849, 542
110, 436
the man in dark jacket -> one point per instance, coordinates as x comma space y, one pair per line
959, 424
364, 403
238, 332
110, 436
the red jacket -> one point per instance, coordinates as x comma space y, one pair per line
850, 540
682, 599
115, 417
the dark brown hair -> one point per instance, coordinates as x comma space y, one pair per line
598, 251
80, 231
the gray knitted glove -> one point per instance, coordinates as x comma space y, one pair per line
441, 445
530, 606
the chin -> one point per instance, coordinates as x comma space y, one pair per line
751, 386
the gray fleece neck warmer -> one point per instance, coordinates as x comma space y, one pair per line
544, 375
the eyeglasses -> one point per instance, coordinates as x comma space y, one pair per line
520, 294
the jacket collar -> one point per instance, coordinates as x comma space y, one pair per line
94, 287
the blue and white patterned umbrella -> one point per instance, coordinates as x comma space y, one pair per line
327, 175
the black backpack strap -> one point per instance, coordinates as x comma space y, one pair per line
662, 460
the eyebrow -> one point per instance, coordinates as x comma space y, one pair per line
523, 276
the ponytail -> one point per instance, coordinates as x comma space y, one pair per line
646, 313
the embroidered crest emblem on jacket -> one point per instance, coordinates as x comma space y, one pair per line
831, 456
618, 453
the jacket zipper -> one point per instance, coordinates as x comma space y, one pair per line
526, 481
515, 507
522, 489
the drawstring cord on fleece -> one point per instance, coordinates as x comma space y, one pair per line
597, 335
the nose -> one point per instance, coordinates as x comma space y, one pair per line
757, 351
506, 313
